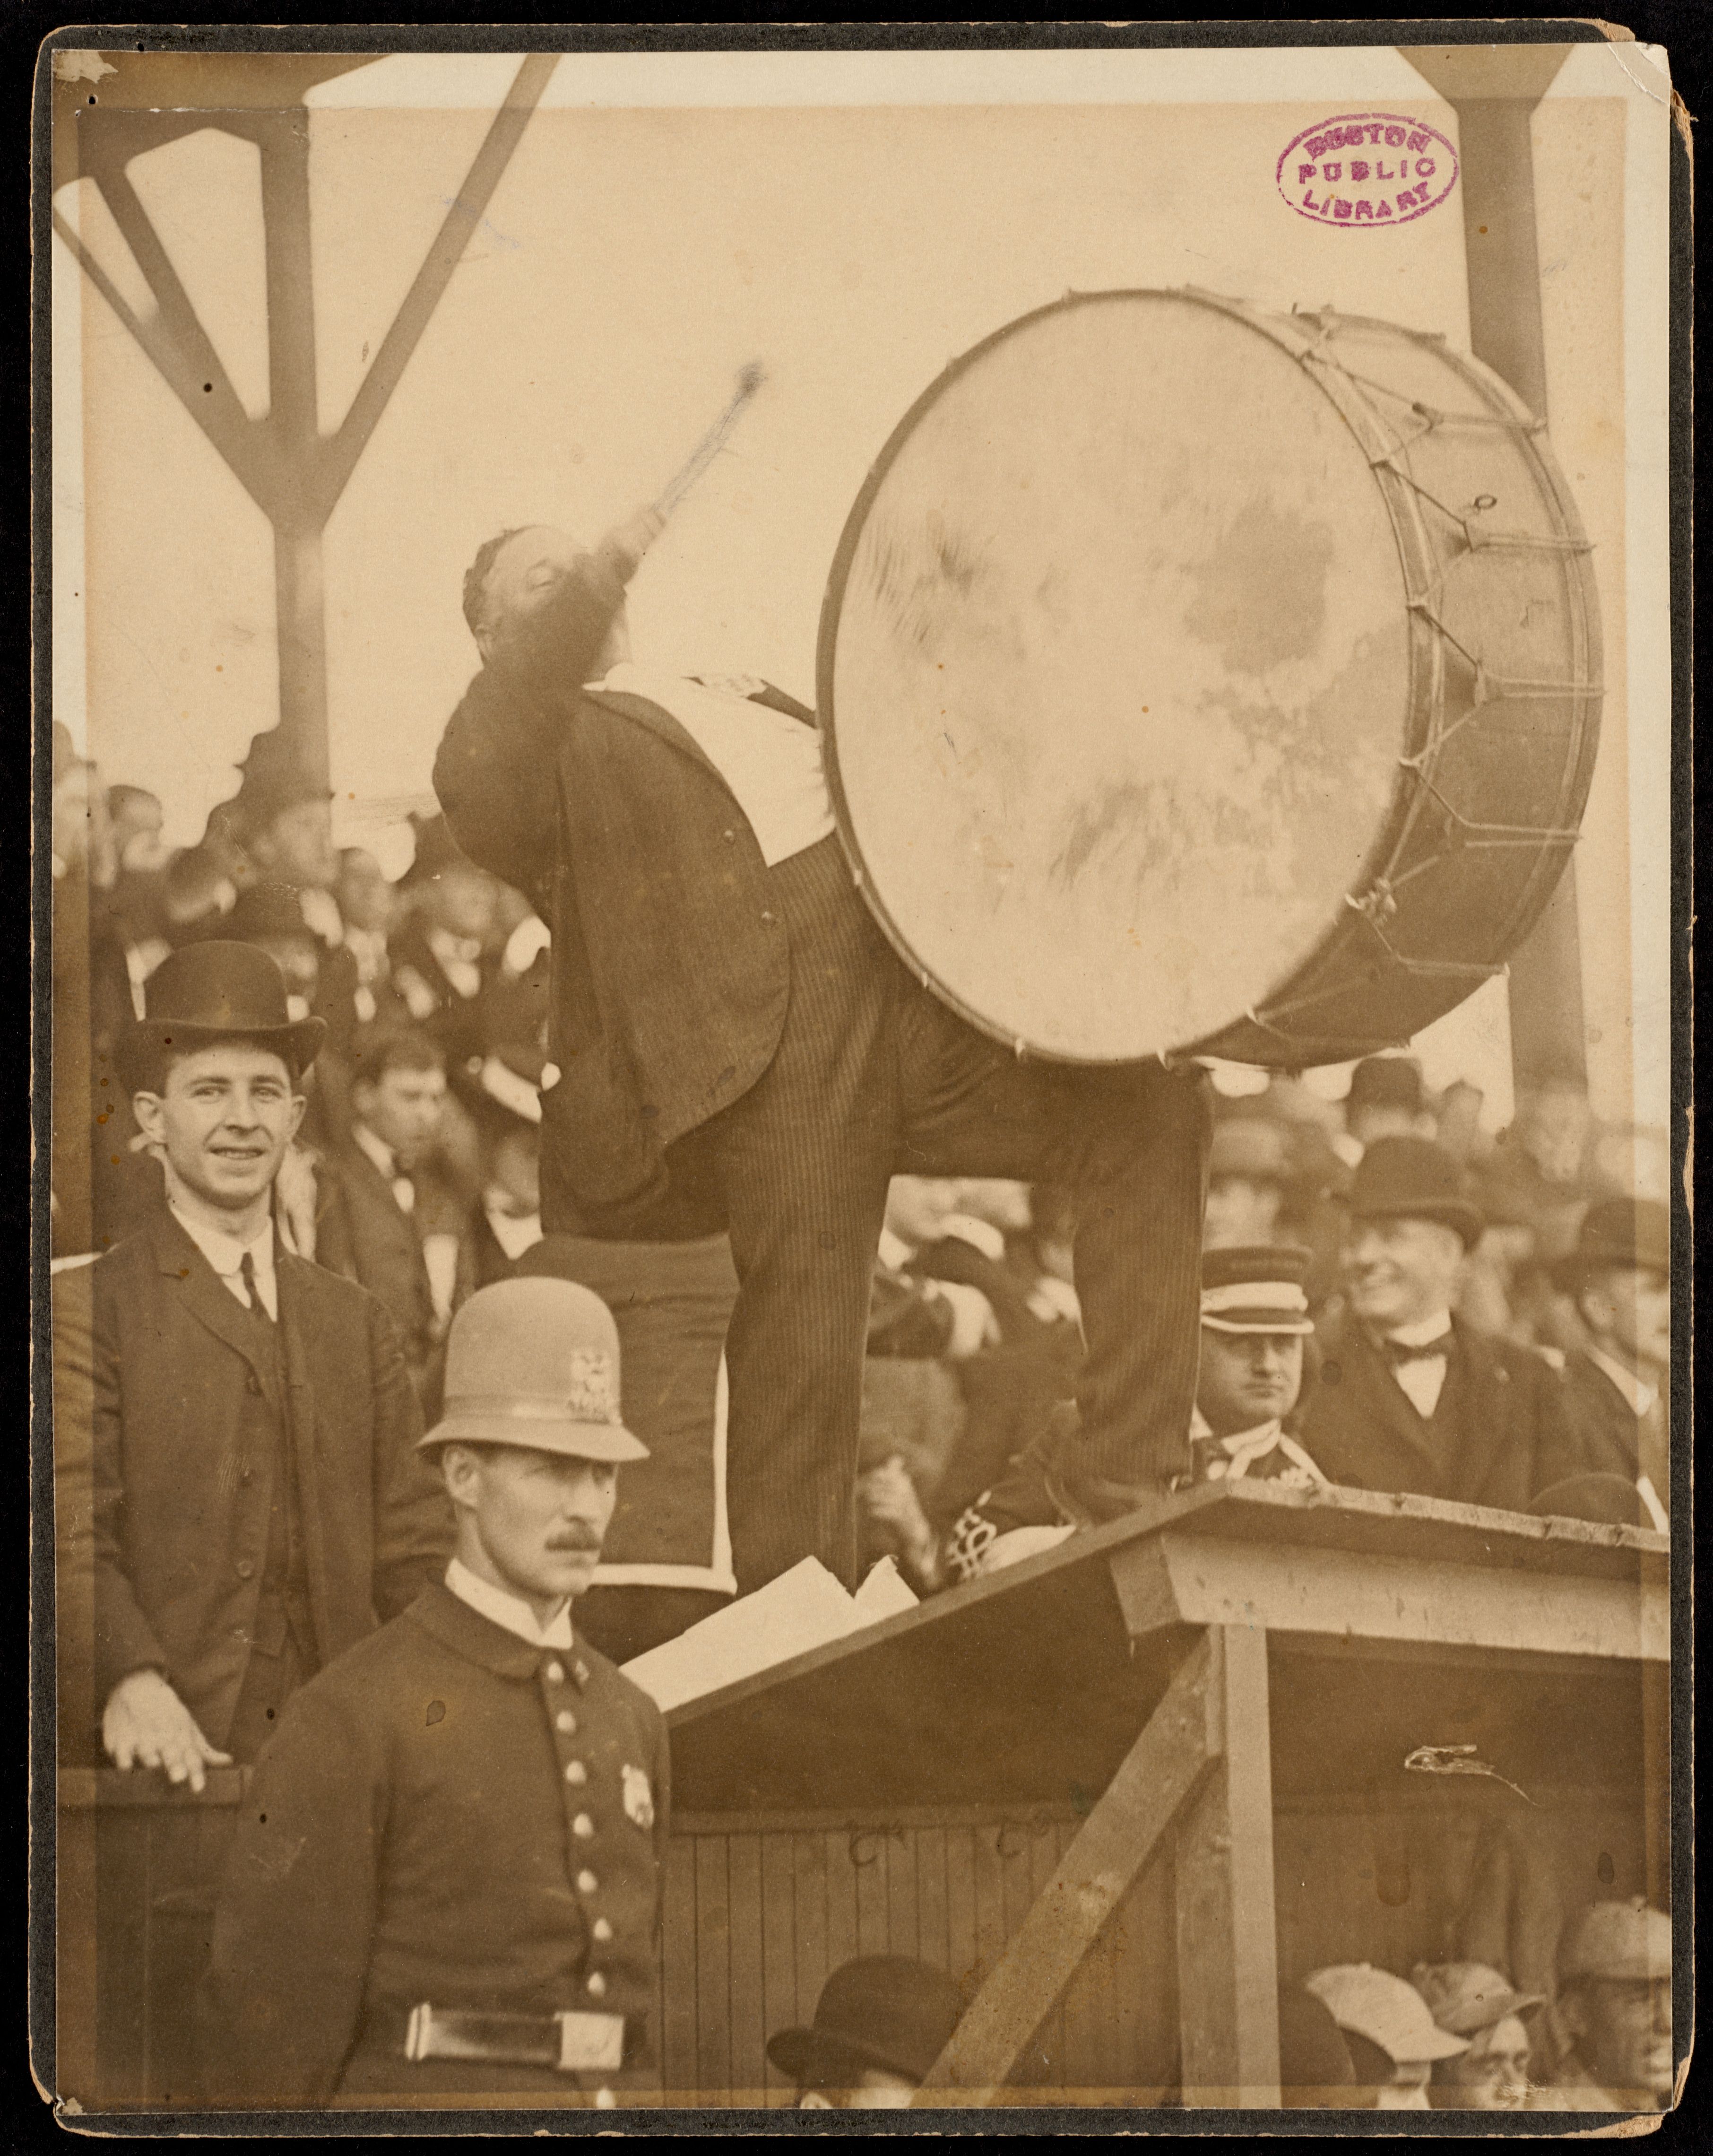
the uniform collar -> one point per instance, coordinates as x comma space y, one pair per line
509, 1611
468, 1632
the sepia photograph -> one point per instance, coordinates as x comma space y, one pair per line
862, 1149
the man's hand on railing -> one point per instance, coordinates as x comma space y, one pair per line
146, 1724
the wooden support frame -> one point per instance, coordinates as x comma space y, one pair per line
1198, 1775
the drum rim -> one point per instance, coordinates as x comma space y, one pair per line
1426, 658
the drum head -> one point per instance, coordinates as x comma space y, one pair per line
1115, 671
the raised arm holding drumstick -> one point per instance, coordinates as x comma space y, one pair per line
740, 1048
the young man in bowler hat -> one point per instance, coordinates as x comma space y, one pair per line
1409, 1398
238, 1500
446, 1884
1620, 1276
879, 2024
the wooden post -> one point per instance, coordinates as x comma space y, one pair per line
1493, 90
1228, 1961
1104, 1861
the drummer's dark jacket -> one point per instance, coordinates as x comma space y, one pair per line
1500, 1433
175, 1410
671, 968
409, 1838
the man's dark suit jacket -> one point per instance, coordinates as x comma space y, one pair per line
163, 1527
1500, 1433
362, 1233
671, 969
1611, 1437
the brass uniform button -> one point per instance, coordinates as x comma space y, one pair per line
586, 1882
598, 1985
584, 1827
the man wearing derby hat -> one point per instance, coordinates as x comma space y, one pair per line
879, 2024
1620, 1276
445, 1884
238, 1500
1410, 1398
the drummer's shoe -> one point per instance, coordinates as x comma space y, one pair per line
1083, 1496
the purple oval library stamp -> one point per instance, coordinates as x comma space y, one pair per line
1363, 169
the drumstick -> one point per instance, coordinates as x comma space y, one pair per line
750, 379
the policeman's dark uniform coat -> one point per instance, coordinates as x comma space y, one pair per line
228, 1491
449, 1814
1499, 1434
755, 1021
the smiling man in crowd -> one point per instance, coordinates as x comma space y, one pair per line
1409, 1397
238, 1500
447, 1880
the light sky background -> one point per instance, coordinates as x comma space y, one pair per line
854, 221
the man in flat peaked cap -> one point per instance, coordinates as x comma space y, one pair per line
446, 1883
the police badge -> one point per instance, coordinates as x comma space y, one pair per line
638, 1799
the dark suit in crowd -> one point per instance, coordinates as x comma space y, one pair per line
1499, 1432
238, 1501
741, 1049
362, 1233
1611, 1437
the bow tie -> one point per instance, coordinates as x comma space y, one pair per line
1398, 1352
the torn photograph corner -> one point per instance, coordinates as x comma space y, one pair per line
870, 1263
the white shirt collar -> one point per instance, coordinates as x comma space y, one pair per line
513, 1232
510, 1612
1423, 1331
980, 1234
1640, 1395
225, 1254
377, 1150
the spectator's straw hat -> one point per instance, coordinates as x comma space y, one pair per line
211, 992
882, 2010
535, 1362
1386, 1082
1466, 1996
1624, 1941
1372, 2003
1413, 1179
1259, 1289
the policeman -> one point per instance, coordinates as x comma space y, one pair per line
1614, 2003
447, 1882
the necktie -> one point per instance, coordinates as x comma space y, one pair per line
1398, 1353
252, 1287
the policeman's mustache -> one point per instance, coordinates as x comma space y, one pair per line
576, 1538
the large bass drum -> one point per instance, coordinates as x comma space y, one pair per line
1197, 680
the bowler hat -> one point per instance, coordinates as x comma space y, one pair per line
1618, 1235
1611, 1500
881, 2010
206, 992
1258, 1290
1624, 1941
535, 1362
274, 780
1413, 1179
1466, 1996
1386, 1082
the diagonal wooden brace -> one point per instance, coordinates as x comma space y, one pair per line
1179, 1745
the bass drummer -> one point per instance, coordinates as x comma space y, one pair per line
740, 1048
